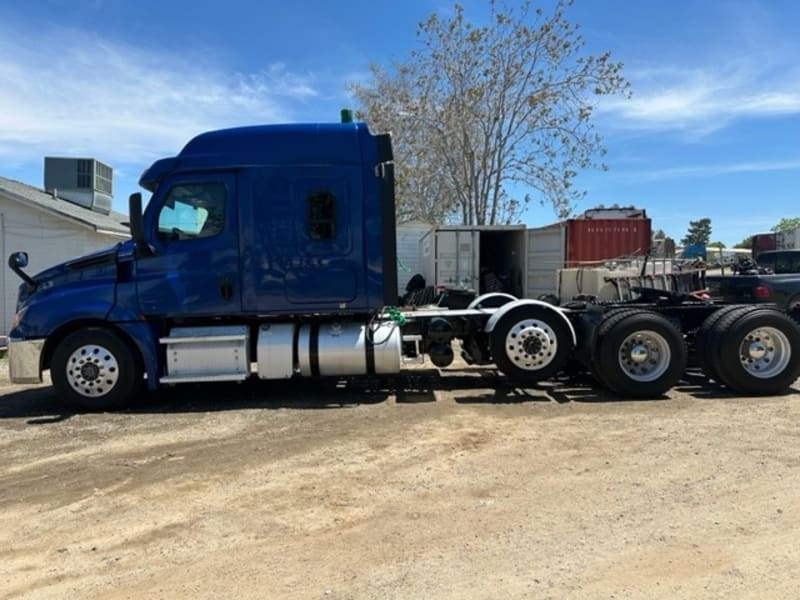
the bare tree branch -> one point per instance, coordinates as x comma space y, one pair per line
480, 111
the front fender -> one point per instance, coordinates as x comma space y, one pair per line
49, 309
498, 314
145, 338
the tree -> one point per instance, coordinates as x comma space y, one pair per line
745, 244
787, 224
481, 111
717, 245
699, 232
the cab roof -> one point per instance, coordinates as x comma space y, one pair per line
288, 144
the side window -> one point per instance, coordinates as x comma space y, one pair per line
191, 211
787, 262
321, 215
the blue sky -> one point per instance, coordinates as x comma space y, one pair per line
712, 129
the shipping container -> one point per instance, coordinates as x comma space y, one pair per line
763, 242
489, 258
525, 262
788, 240
545, 249
579, 243
409, 261
598, 240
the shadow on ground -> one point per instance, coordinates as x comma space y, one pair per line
41, 405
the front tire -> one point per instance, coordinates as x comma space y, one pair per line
95, 369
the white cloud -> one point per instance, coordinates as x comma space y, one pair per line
77, 94
712, 170
698, 101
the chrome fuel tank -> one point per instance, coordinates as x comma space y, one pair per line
325, 349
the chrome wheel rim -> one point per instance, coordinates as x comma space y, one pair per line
531, 345
765, 352
644, 356
92, 371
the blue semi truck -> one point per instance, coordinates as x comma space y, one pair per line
269, 252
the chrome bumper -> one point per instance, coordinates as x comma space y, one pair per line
25, 360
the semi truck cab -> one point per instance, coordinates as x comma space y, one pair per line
244, 225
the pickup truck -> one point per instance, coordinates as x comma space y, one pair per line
783, 290
780, 262
774, 279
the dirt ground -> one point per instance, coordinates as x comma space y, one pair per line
430, 485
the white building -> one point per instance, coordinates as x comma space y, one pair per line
51, 230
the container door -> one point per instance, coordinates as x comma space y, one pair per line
502, 260
787, 240
592, 241
457, 258
544, 256
194, 269
427, 253
409, 257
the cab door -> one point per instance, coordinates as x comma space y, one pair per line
191, 224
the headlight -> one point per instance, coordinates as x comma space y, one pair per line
17, 319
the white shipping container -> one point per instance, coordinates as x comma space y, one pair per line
409, 259
480, 258
545, 253
788, 240
450, 258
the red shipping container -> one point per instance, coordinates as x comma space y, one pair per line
597, 240
762, 242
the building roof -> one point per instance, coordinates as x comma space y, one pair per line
114, 223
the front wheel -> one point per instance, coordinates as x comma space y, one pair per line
530, 343
94, 369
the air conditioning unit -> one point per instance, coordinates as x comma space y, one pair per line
83, 181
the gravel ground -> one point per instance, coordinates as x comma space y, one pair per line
436, 484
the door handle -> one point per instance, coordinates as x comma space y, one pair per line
226, 288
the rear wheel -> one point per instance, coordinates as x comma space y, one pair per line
793, 308
94, 369
758, 352
707, 337
594, 366
640, 354
530, 343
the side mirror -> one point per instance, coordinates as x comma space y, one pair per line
18, 261
137, 227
